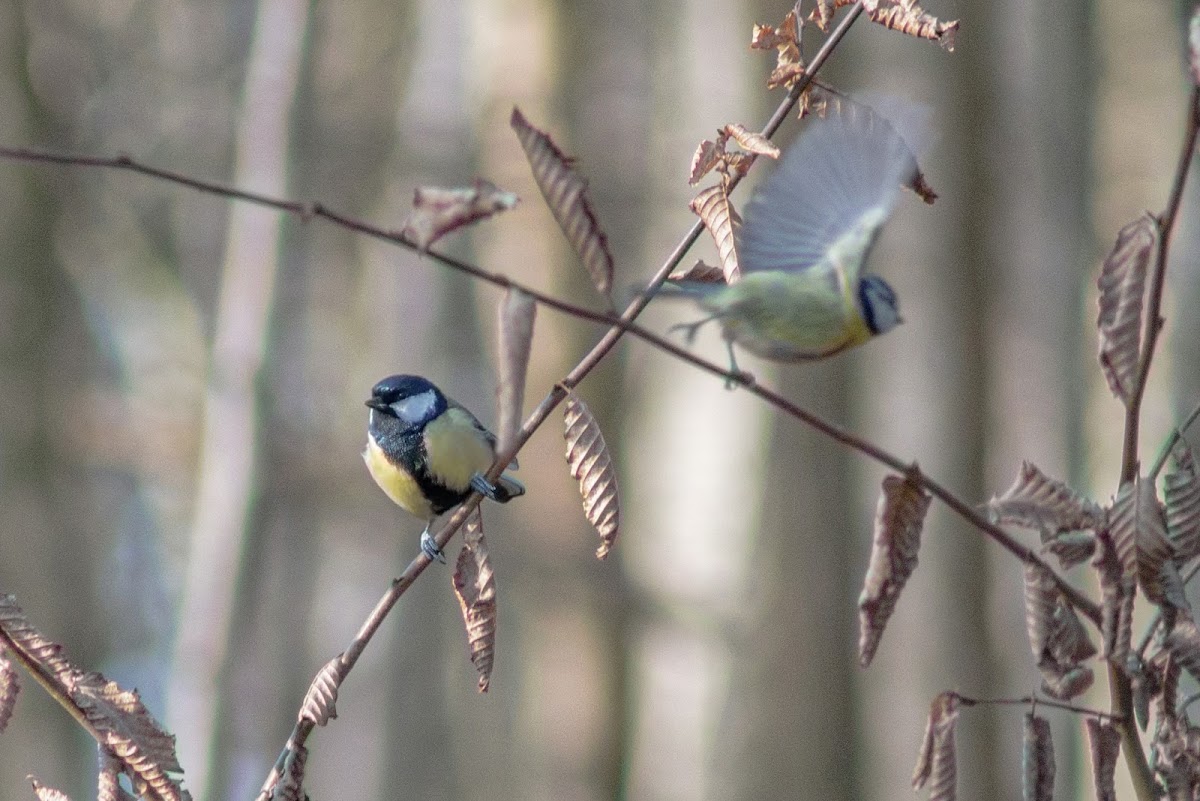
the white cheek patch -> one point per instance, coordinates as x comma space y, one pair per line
417, 408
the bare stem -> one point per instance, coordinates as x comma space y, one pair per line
1119, 684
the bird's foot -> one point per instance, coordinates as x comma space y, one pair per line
429, 548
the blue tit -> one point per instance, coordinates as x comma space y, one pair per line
807, 233
428, 453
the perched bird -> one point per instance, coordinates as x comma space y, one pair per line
808, 230
428, 453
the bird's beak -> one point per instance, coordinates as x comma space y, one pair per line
377, 404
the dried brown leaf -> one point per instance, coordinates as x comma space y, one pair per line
1117, 591
908, 17
320, 702
10, 688
475, 586
699, 273
592, 467
1122, 286
1056, 635
1069, 684
1183, 643
1194, 46
517, 313
1104, 743
1039, 502
438, 210
708, 155
290, 786
42, 651
1037, 759
786, 36
786, 74
899, 517
565, 191
45, 793
1181, 491
722, 221
1140, 533
936, 764
1070, 547
751, 141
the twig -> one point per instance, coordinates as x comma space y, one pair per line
1032, 700
1118, 683
1176, 435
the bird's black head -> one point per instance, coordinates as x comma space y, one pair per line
410, 398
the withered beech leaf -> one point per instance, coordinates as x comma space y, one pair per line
290, 786
786, 36
41, 650
908, 17
145, 749
1039, 502
936, 764
899, 517
1183, 643
1037, 759
320, 702
10, 687
591, 465
751, 141
565, 191
45, 793
708, 155
438, 210
1104, 743
1069, 684
699, 273
1117, 591
517, 313
1070, 547
1056, 635
1140, 533
1181, 491
475, 586
722, 221
1122, 284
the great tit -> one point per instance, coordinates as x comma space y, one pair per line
807, 232
428, 453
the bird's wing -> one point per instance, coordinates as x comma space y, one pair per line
487, 434
842, 173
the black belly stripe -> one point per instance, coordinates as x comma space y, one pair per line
440, 497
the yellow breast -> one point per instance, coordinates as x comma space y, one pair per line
397, 484
456, 449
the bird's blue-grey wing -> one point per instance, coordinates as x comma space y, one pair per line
840, 170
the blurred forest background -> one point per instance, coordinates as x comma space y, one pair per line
182, 500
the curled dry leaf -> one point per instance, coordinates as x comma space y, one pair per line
1117, 591
708, 155
1039, 502
699, 273
894, 546
822, 12
1183, 644
1104, 743
1056, 635
751, 141
1037, 759
10, 687
1181, 491
437, 210
566, 194
907, 17
1139, 531
39, 650
45, 793
517, 313
785, 39
722, 221
936, 764
109, 783
475, 586
290, 786
1122, 286
1070, 547
320, 702
592, 467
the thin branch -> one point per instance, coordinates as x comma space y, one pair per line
1176, 435
1119, 688
1031, 700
